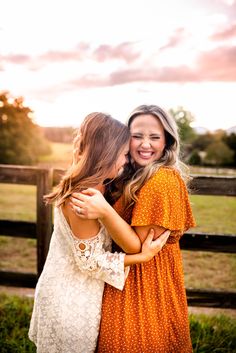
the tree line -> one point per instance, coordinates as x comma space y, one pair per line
207, 149
22, 141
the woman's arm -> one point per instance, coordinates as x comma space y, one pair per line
91, 204
150, 248
94, 258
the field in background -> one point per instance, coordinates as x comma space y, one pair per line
59, 158
62, 152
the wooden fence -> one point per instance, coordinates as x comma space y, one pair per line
44, 179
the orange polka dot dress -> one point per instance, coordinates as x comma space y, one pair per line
151, 315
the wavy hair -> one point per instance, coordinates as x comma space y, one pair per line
133, 179
98, 142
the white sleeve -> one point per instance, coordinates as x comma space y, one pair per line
93, 259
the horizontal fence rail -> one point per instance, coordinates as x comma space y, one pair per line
45, 179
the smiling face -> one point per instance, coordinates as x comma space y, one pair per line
147, 139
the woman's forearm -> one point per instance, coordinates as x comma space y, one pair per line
120, 231
135, 259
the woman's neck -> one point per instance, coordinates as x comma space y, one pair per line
100, 187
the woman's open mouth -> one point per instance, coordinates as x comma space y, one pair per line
145, 154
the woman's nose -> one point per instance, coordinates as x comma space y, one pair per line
146, 142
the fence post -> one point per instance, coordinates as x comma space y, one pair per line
44, 216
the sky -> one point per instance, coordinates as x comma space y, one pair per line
68, 58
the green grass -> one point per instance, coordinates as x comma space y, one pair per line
209, 333
15, 313
214, 214
18, 202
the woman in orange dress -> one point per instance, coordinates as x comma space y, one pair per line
150, 315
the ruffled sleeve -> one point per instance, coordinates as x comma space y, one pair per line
95, 261
93, 256
164, 201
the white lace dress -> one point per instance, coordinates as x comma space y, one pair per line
68, 295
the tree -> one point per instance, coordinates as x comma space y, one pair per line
195, 158
203, 141
187, 134
218, 153
21, 140
230, 141
184, 119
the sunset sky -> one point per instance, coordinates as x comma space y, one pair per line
69, 58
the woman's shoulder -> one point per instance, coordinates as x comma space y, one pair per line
164, 175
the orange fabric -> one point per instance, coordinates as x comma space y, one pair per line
150, 315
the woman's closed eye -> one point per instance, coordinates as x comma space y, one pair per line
137, 136
155, 137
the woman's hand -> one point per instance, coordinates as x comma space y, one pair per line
151, 247
89, 204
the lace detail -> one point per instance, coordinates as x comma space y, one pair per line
68, 296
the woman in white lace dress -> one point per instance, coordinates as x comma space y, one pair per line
68, 296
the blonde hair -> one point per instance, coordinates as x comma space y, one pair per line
170, 157
99, 141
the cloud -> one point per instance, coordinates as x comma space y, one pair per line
78, 53
176, 39
162, 74
228, 33
218, 64
16, 58
215, 65
83, 51
124, 51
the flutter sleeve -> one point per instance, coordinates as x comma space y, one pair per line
164, 201
93, 257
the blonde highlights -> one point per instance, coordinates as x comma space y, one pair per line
170, 157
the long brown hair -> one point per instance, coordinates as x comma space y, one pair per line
99, 141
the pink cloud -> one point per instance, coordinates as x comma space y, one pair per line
89, 81
122, 51
79, 53
228, 33
16, 58
218, 64
177, 38
164, 74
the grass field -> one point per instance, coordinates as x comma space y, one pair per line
60, 156
208, 334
